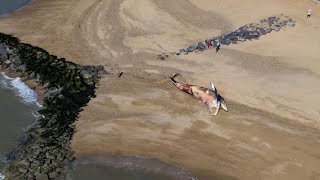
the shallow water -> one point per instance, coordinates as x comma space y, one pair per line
10, 5
100, 166
99, 172
17, 106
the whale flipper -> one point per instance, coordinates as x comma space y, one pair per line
217, 108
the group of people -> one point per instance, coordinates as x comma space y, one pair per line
217, 46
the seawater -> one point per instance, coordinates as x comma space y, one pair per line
18, 107
10, 5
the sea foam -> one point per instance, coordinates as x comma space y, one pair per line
1, 177
20, 88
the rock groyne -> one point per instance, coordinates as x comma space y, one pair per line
247, 32
46, 151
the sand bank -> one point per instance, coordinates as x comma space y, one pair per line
271, 84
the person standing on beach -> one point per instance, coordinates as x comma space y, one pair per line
309, 13
217, 46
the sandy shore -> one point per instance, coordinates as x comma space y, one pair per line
271, 85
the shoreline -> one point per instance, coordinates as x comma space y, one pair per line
148, 165
46, 152
244, 73
16, 9
31, 83
145, 164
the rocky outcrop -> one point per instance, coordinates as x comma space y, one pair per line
250, 31
46, 151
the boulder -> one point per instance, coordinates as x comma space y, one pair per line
242, 39
42, 177
276, 28
262, 31
71, 67
32, 75
182, 50
194, 46
53, 175
225, 41
3, 53
53, 92
273, 18
101, 73
201, 46
232, 37
88, 79
7, 62
190, 49
9, 51
23, 170
160, 56
100, 68
16, 60
22, 68
268, 30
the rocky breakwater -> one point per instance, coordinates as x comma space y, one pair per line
46, 151
247, 32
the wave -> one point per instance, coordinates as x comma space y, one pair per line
20, 88
1, 177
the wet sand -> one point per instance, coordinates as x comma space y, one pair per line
271, 85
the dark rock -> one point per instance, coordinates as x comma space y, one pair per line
273, 18
53, 92
71, 67
101, 73
42, 177
225, 41
190, 49
232, 37
100, 68
53, 175
3, 53
22, 170
160, 56
262, 31
276, 28
22, 68
182, 50
201, 46
83, 72
7, 63
241, 39
268, 30
194, 46
254, 34
32, 75
12, 67
16, 60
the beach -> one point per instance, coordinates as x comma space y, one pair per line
271, 85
